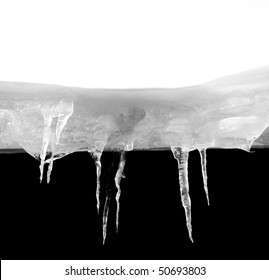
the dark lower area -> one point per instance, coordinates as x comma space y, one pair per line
60, 221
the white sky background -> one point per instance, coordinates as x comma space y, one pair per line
138, 43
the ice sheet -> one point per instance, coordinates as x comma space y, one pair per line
230, 112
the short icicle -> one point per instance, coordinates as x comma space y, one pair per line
182, 155
202, 153
117, 180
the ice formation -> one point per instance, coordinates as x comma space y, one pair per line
118, 177
202, 153
50, 122
182, 156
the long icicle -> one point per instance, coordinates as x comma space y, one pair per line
97, 160
202, 153
117, 180
182, 156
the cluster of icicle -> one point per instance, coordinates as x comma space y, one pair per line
119, 175
180, 154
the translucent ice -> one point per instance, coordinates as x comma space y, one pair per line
46, 135
62, 111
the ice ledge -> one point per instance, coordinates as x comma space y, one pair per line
226, 113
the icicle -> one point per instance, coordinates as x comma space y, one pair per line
117, 180
202, 153
105, 215
63, 111
46, 137
181, 155
41, 168
50, 169
97, 160
96, 154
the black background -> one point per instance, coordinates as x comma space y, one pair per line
60, 221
